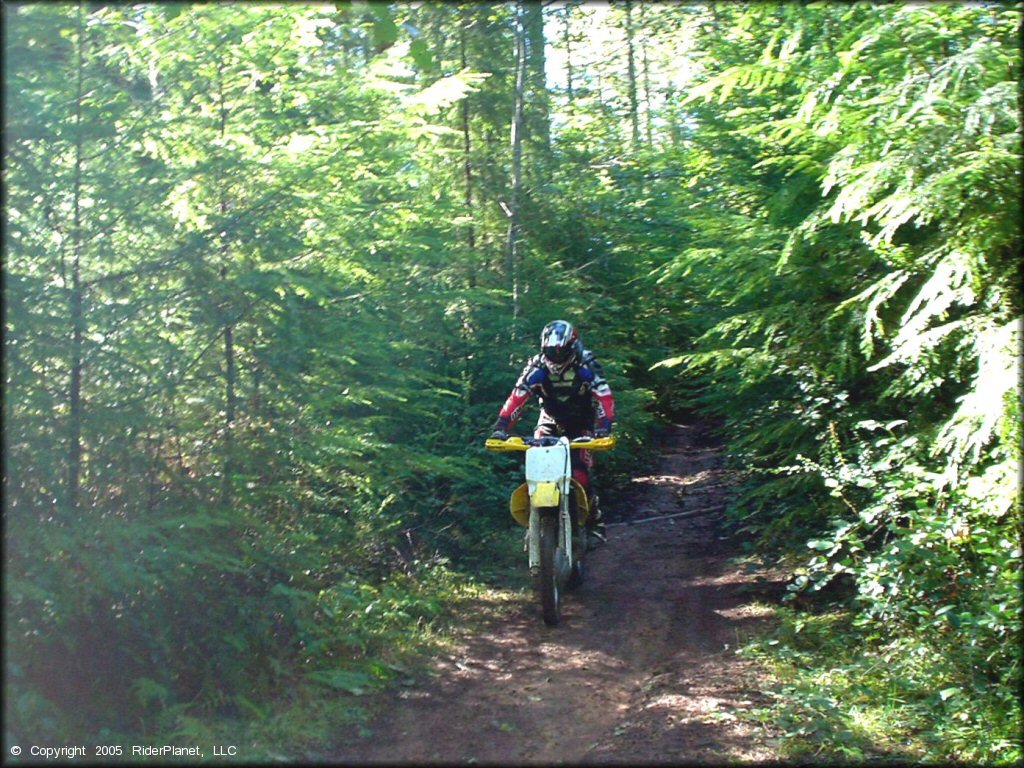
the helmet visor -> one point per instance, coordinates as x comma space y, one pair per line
559, 355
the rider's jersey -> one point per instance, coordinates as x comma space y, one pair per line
573, 398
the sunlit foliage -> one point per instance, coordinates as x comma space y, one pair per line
258, 314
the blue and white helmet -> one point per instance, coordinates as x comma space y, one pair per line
558, 345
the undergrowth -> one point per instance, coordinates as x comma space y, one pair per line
328, 708
843, 694
403, 625
361, 639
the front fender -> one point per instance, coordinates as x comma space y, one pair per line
545, 495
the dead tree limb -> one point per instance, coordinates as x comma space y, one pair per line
691, 513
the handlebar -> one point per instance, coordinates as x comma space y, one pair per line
524, 444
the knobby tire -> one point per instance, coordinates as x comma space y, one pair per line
550, 594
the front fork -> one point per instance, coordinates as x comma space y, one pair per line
533, 540
533, 532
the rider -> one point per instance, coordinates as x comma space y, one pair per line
575, 401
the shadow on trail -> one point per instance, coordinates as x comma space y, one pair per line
642, 668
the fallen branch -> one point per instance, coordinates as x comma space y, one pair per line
691, 513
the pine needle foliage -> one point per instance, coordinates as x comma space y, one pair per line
867, 363
260, 310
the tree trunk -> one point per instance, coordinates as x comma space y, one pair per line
75, 297
536, 81
512, 241
673, 121
634, 116
229, 410
648, 122
229, 330
567, 40
467, 162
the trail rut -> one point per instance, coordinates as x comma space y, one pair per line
642, 668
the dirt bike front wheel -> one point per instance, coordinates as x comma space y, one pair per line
550, 593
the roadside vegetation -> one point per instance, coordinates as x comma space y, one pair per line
270, 270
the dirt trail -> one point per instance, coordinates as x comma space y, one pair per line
641, 669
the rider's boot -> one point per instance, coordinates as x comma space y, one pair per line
596, 534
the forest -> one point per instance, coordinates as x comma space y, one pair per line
270, 270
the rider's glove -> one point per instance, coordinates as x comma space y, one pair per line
501, 428
604, 428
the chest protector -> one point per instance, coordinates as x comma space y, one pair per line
565, 396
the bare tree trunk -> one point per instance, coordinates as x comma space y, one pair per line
567, 40
536, 81
76, 304
634, 116
512, 241
647, 78
466, 326
467, 162
673, 123
229, 411
228, 466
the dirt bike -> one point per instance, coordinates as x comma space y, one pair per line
553, 507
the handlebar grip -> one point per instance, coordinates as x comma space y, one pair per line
519, 444
594, 443
511, 444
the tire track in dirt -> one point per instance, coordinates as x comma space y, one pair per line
642, 668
